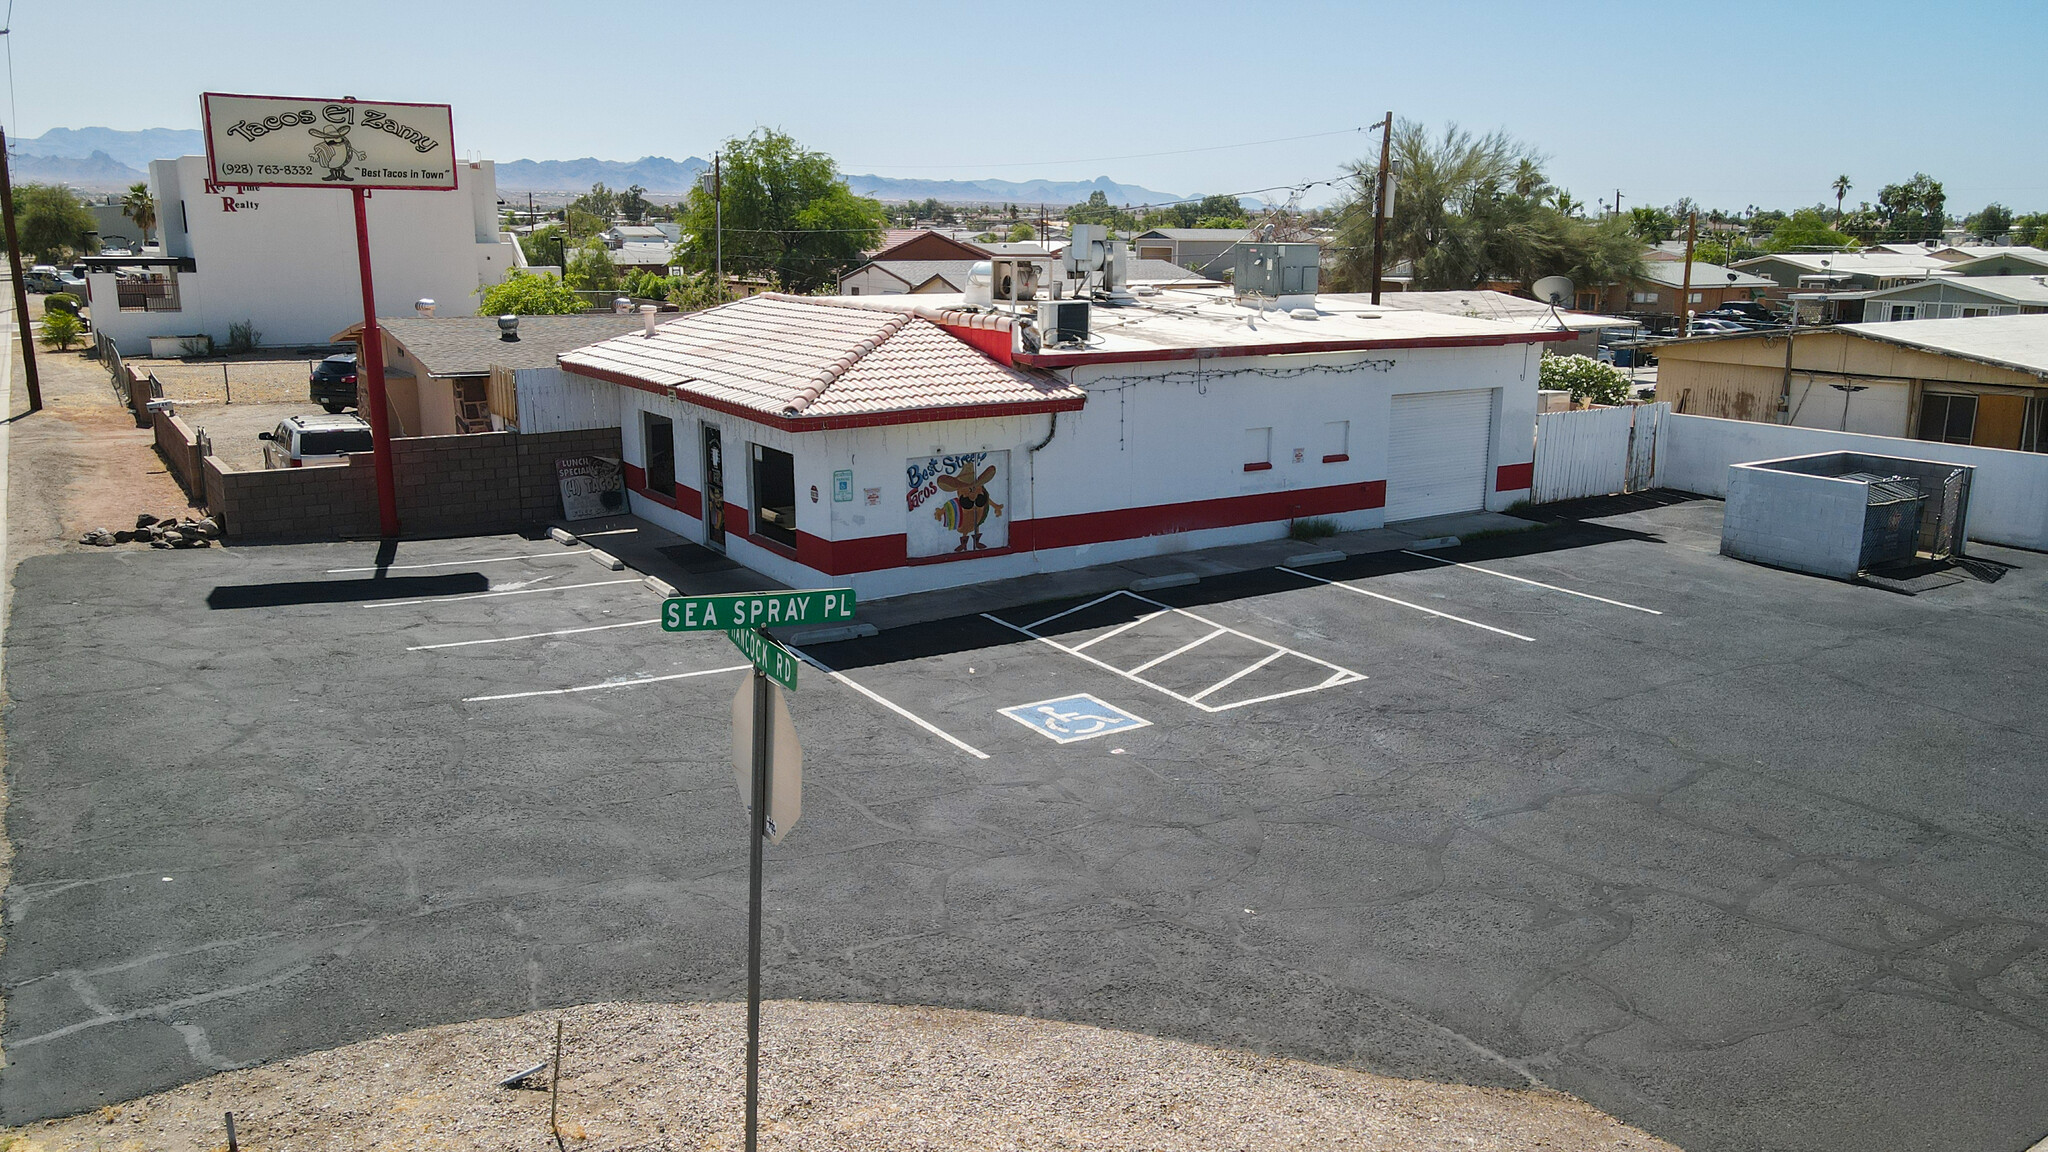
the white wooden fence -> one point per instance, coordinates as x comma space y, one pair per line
1597, 451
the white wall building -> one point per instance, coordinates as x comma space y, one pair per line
284, 259
850, 440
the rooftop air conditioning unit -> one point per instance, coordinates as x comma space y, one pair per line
1087, 252
1282, 273
1013, 279
1063, 322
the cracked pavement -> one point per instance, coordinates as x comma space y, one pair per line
1769, 871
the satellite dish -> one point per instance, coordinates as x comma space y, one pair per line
1555, 291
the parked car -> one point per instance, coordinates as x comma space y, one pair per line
333, 385
1705, 326
43, 278
1744, 312
302, 440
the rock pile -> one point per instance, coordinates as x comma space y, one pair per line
158, 533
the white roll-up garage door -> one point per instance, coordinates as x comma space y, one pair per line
1436, 453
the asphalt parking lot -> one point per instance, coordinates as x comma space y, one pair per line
1750, 859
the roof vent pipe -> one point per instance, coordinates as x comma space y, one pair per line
508, 327
647, 312
423, 306
621, 305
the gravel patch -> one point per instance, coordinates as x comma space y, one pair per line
251, 381
834, 1076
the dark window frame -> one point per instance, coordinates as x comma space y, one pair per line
771, 476
659, 453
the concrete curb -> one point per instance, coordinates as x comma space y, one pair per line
1437, 542
659, 586
832, 635
561, 537
607, 560
1327, 556
1153, 583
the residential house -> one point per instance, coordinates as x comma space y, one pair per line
283, 260
2004, 262
1585, 327
1209, 251
1656, 293
640, 256
1840, 271
1958, 296
902, 443
621, 234
1981, 381
439, 371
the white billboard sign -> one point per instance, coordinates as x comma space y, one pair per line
288, 141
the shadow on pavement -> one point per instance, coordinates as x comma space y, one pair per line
342, 591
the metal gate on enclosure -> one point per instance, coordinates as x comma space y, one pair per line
1596, 451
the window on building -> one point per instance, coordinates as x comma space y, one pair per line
148, 291
2034, 433
1587, 302
1258, 449
1696, 298
1336, 441
853, 291
774, 492
1947, 417
1904, 311
658, 439
1968, 311
1642, 297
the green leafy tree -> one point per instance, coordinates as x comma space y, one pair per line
633, 204
61, 329
1915, 210
600, 203
1587, 379
1651, 225
1991, 223
543, 245
1019, 233
698, 291
590, 268
645, 285
1098, 210
787, 215
138, 205
1841, 187
1806, 230
50, 221
525, 294
1469, 209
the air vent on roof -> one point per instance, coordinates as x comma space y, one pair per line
508, 327
1063, 322
1282, 275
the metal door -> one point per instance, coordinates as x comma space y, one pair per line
714, 490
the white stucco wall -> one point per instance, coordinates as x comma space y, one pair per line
1151, 435
285, 258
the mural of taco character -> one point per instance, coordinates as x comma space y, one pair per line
970, 506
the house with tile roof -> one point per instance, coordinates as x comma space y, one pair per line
907, 442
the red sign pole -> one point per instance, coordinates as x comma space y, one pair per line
372, 372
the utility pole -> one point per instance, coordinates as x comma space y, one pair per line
1379, 204
28, 344
1617, 201
718, 221
1692, 227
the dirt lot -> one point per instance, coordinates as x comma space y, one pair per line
264, 379
833, 1076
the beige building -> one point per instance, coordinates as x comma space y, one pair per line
1981, 381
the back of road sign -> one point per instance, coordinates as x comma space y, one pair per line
785, 759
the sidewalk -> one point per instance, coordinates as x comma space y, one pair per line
693, 569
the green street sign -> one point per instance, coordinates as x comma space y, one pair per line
774, 661
756, 610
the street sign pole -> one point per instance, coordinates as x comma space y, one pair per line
757, 833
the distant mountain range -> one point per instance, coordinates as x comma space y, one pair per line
108, 159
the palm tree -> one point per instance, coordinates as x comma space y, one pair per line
140, 207
1842, 187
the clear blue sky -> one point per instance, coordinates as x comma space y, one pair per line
1731, 104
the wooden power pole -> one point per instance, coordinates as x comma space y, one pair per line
1379, 204
28, 344
1692, 227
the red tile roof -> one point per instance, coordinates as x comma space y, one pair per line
803, 364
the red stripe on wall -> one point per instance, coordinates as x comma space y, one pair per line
1514, 477
687, 500
873, 553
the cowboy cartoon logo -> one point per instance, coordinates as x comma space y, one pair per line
956, 503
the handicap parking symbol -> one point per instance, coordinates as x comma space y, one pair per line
1077, 717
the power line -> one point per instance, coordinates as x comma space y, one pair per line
1129, 155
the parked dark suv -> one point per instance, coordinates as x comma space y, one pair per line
1748, 313
334, 383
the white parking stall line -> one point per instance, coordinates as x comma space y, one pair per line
458, 563
1120, 629
1338, 675
606, 532
488, 595
1076, 608
634, 683
1537, 583
533, 635
1188, 647
1240, 674
891, 705
1408, 604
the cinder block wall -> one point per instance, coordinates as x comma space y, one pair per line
447, 485
178, 444
1790, 520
